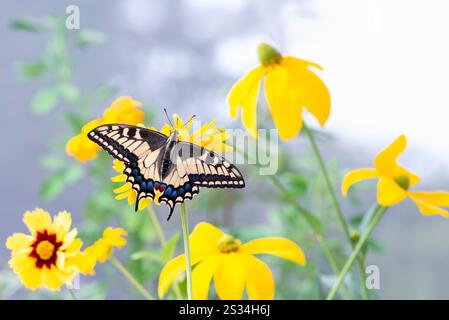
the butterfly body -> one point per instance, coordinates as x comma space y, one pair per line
162, 167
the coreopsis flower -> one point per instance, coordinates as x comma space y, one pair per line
395, 182
289, 86
123, 110
50, 255
207, 136
232, 265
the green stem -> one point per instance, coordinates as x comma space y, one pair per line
120, 267
376, 218
72, 294
185, 234
157, 226
336, 205
306, 214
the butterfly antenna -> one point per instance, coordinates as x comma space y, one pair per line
168, 118
190, 120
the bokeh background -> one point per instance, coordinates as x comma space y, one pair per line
385, 63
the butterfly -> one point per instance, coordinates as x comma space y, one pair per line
162, 167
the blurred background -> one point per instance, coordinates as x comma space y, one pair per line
385, 64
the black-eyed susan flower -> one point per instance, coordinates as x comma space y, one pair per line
289, 84
231, 265
395, 182
50, 256
207, 136
123, 110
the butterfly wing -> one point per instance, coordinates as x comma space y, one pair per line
189, 166
127, 143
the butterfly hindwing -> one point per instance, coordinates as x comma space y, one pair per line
207, 169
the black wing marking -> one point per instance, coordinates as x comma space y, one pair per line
127, 143
207, 169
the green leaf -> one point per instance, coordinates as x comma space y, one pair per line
44, 101
74, 173
147, 255
105, 91
51, 162
169, 248
75, 121
69, 92
32, 70
52, 186
314, 222
88, 37
24, 25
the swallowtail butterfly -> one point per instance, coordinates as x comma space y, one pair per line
162, 167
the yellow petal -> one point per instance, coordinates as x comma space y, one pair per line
37, 220
143, 203
385, 161
204, 239
244, 95
429, 202
30, 276
120, 178
19, 242
280, 247
62, 222
118, 166
132, 195
389, 192
229, 278
177, 122
170, 272
202, 275
259, 279
355, 176
311, 91
123, 188
284, 107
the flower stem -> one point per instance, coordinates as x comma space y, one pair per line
156, 225
308, 217
160, 232
120, 267
306, 214
376, 218
185, 234
336, 205
72, 294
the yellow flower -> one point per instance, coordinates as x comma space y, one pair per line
232, 265
395, 181
48, 257
123, 110
289, 86
112, 238
208, 136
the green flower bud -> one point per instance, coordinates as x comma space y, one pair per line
268, 55
403, 181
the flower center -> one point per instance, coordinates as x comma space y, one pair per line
268, 55
45, 249
402, 181
228, 244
